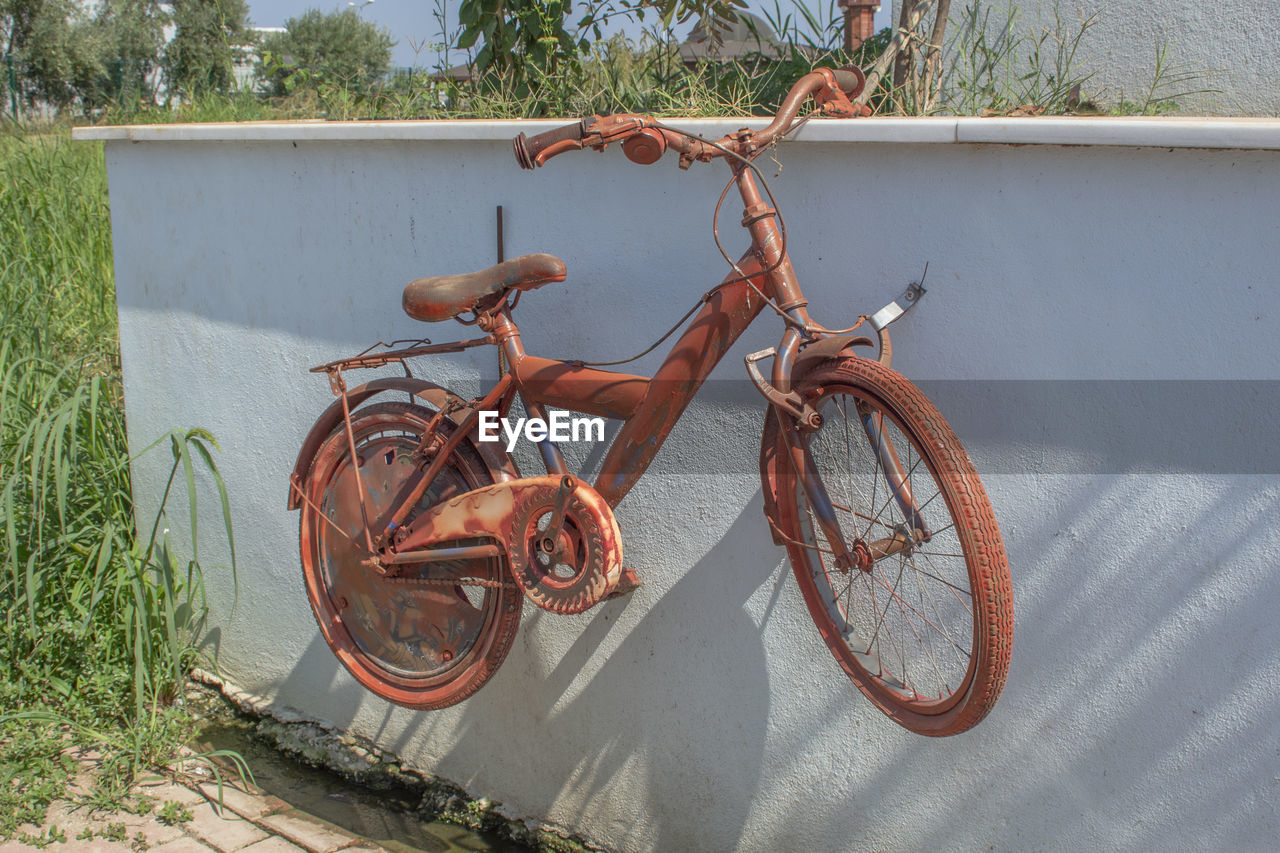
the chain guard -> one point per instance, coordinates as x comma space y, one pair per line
583, 566
581, 569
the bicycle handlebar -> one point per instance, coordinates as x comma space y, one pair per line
645, 140
536, 151
850, 80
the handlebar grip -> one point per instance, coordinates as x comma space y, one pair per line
850, 80
527, 149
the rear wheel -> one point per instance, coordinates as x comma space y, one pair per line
924, 623
432, 634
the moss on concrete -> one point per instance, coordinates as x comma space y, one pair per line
363, 763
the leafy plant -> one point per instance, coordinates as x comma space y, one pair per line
1169, 84
56, 49
525, 38
173, 813
134, 39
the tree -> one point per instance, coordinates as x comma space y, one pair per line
337, 48
133, 31
210, 36
523, 35
56, 50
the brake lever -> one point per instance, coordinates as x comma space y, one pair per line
603, 131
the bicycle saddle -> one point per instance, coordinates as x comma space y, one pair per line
444, 297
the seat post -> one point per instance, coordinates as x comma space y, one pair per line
508, 335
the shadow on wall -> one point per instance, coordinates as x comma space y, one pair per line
545, 717
1139, 702
711, 733
1139, 713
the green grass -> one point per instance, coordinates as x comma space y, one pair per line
98, 622
617, 75
989, 65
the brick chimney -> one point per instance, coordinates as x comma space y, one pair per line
859, 21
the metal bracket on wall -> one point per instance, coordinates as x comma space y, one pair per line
898, 307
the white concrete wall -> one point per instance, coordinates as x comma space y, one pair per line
1228, 45
1099, 327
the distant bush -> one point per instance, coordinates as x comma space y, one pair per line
325, 48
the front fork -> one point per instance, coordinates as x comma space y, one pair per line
799, 420
856, 553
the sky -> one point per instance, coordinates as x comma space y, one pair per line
414, 23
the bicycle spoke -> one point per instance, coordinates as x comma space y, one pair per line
893, 592
940, 580
928, 650
925, 591
892, 499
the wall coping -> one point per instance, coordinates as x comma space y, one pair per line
1156, 132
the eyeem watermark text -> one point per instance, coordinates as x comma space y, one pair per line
560, 427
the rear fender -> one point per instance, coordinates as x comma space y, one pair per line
500, 465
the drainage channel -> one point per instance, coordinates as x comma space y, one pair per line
386, 816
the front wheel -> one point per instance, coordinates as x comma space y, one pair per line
923, 623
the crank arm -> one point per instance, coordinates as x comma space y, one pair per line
552, 534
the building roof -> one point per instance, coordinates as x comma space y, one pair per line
748, 35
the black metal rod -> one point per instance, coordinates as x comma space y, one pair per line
502, 249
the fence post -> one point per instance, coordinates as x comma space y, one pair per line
13, 86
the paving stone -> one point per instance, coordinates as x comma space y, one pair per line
185, 844
308, 832
95, 846
248, 806
274, 844
226, 832
152, 830
72, 820
171, 792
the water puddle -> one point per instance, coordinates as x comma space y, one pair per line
385, 817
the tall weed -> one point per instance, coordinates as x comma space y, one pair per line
98, 624
996, 67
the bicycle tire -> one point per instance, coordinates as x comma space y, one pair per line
883, 632
424, 645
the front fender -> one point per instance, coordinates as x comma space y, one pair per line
832, 347
500, 466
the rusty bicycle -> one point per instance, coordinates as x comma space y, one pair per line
420, 543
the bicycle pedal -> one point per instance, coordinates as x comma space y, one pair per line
627, 584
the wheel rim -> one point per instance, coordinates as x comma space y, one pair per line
397, 632
907, 626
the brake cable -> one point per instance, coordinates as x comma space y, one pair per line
749, 163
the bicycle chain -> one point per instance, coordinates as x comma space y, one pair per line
483, 582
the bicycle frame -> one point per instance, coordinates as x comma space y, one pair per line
421, 541
650, 406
